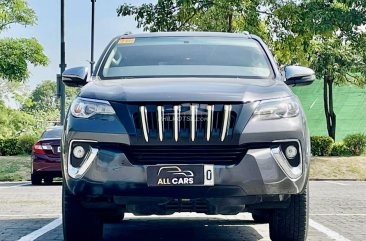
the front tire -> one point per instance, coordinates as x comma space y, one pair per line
291, 224
261, 217
79, 223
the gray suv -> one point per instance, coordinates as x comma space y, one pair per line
186, 122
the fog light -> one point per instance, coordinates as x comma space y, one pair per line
291, 152
79, 152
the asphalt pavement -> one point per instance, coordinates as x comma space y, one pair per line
337, 212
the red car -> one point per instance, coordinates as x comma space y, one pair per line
46, 157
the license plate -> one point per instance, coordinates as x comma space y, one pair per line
180, 175
59, 149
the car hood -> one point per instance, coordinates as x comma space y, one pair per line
185, 89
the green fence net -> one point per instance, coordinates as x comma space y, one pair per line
349, 107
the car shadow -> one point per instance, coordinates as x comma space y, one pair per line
54, 183
181, 230
15, 228
143, 229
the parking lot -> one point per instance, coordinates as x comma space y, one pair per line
337, 212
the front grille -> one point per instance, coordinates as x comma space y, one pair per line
192, 154
185, 121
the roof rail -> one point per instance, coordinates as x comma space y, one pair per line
242, 32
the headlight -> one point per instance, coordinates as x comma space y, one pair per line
85, 108
277, 108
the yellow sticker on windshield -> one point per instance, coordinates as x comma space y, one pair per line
126, 41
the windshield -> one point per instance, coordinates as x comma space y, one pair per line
186, 57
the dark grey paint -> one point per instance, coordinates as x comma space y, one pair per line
186, 89
258, 174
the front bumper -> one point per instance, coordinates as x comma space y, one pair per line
261, 172
43, 164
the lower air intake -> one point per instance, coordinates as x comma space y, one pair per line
150, 155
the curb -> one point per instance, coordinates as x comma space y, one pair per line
332, 179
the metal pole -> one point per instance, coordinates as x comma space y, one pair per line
92, 38
62, 64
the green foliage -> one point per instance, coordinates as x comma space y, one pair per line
166, 15
43, 98
16, 54
198, 15
356, 143
15, 11
39, 111
25, 143
323, 35
319, 34
321, 145
326, 36
343, 63
12, 146
339, 149
16, 122
9, 147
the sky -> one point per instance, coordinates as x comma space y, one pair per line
77, 32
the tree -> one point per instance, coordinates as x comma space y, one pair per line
43, 98
166, 15
16, 54
15, 122
201, 15
324, 35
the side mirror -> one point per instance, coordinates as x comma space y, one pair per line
75, 77
298, 75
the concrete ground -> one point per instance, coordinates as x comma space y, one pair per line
337, 212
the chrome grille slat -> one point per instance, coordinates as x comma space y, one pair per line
144, 122
160, 116
185, 122
176, 122
226, 121
193, 121
210, 109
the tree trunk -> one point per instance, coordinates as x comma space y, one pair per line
230, 23
328, 105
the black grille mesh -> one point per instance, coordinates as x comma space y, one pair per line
149, 155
